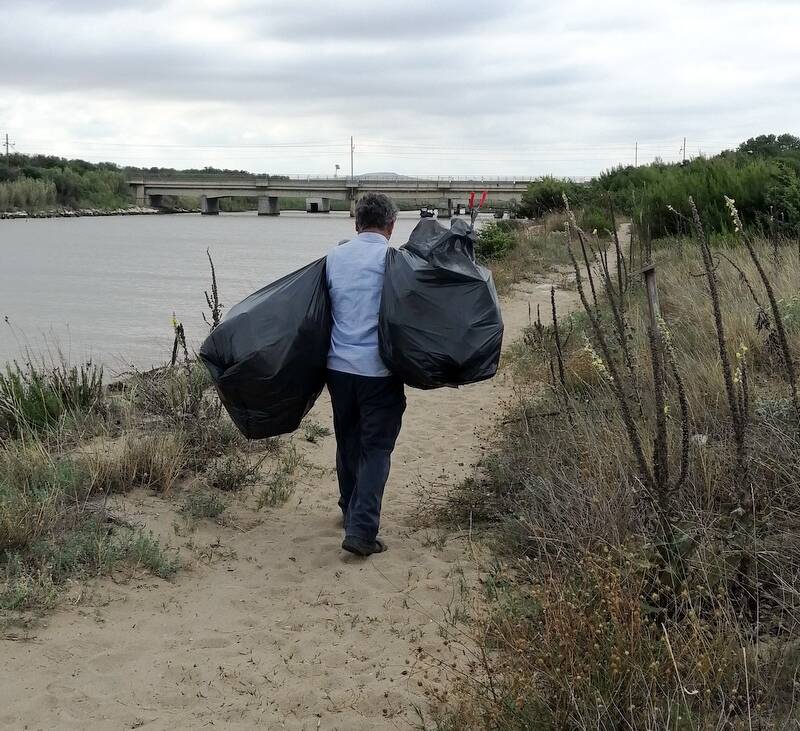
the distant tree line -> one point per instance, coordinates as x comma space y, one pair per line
41, 182
762, 175
35, 182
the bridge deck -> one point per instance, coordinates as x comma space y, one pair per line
337, 188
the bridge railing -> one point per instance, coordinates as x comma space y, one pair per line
357, 180
475, 181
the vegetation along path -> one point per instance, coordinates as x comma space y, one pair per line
271, 623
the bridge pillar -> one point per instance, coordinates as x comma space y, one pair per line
209, 206
269, 205
318, 205
445, 208
352, 208
138, 194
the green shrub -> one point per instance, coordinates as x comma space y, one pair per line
232, 472
313, 432
36, 397
547, 195
595, 218
763, 176
281, 481
144, 549
31, 579
203, 505
495, 241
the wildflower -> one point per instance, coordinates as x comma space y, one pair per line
596, 360
666, 337
737, 223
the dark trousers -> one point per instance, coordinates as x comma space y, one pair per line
367, 414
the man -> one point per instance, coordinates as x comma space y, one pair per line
368, 401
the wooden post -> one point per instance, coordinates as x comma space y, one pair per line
652, 295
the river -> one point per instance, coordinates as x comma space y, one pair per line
106, 288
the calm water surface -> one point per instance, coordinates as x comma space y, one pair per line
106, 288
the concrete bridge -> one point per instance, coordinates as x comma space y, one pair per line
444, 193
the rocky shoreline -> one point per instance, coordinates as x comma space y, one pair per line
91, 212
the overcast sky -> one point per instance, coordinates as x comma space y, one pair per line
491, 88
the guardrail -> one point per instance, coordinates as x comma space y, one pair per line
346, 180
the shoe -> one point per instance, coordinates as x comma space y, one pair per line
361, 547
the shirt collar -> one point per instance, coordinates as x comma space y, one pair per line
373, 238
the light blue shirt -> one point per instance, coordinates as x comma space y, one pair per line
355, 281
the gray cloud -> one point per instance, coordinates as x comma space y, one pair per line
350, 20
84, 7
483, 84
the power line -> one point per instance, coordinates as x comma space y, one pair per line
410, 146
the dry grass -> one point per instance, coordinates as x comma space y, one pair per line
616, 606
135, 460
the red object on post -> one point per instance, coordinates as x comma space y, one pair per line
472, 199
484, 196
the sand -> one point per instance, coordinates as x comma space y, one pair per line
271, 624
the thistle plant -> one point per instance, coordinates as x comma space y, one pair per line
780, 330
572, 220
613, 375
179, 341
734, 403
655, 474
212, 300
557, 341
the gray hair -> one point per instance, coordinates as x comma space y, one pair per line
375, 210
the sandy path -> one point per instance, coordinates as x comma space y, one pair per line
272, 625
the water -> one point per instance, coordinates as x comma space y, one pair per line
106, 288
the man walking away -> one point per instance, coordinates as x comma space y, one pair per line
368, 401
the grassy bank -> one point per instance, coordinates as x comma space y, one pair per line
762, 175
72, 448
642, 500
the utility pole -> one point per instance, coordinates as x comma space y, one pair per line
7, 145
684, 149
636, 156
352, 147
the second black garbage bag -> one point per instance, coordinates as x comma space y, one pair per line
440, 321
268, 356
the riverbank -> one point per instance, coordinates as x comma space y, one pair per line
91, 212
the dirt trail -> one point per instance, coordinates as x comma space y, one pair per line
273, 625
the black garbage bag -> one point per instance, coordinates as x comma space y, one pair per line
268, 356
440, 322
